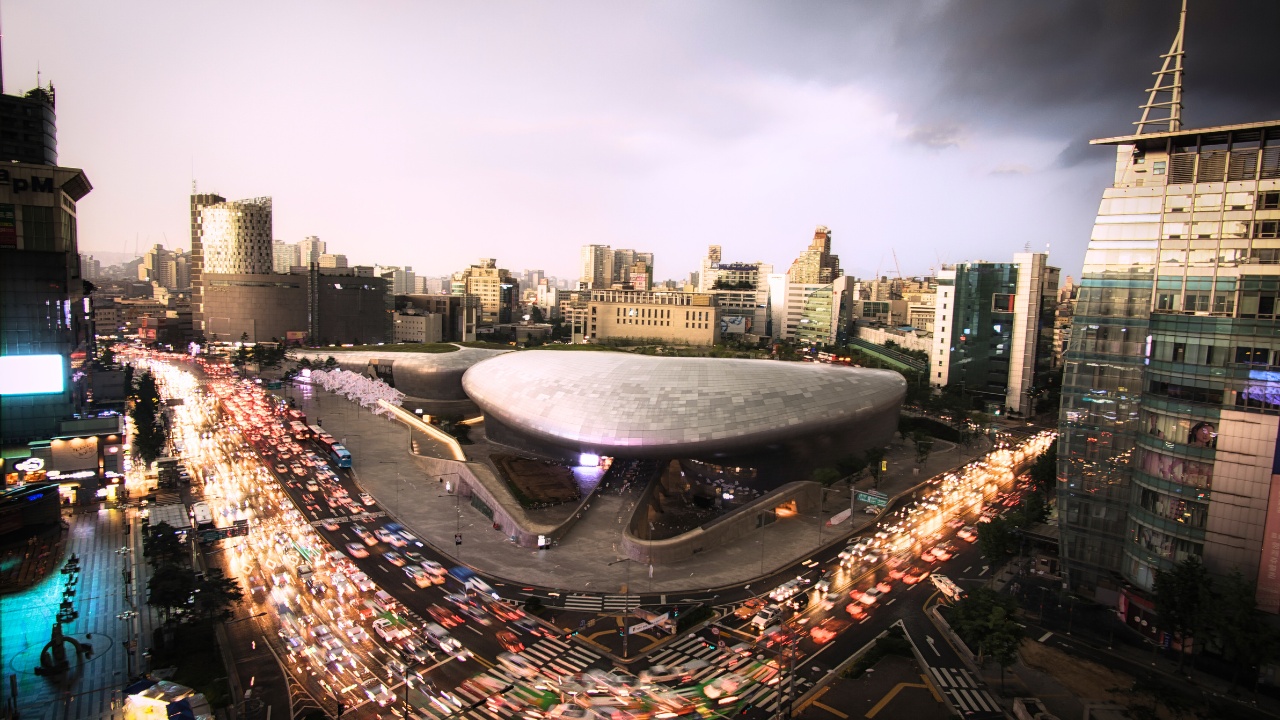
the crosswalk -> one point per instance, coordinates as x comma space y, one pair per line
600, 603
768, 695
965, 692
471, 701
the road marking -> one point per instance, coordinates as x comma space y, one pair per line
932, 646
985, 568
1046, 636
888, 697
891, 602
967, 569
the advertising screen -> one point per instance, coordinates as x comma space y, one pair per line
32, 374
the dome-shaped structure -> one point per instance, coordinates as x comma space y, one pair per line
625, 405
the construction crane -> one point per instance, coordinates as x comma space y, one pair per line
896, 266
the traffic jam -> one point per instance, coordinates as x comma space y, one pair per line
372, 618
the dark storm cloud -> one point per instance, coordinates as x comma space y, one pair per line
1072, 69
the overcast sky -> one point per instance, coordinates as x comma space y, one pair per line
435, 133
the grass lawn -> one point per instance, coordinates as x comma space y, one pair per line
487, 345
398, 347
575, 348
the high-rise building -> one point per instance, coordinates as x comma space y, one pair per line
597, 266
43, 310
90, 267
30, 132
816, 265
993, 330
237, 237
498, 290
400, 280
285, 256
310, 249
332, 261
1170, 416
199, 201
169, 269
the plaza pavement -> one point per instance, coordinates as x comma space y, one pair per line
91, 689
588, 558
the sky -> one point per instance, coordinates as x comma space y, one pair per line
432, 134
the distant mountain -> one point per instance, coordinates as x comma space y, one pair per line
108, 258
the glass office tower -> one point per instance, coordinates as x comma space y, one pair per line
1171, 388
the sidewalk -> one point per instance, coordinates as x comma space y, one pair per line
1079, 656
90, 689
587, 559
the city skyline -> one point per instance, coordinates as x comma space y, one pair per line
743, 126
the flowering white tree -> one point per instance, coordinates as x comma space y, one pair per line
358, 388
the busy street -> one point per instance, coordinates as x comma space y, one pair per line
369, 617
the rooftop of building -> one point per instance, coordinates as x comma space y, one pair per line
1189, 132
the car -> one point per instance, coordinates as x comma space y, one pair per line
748, 609
798, 602
870, 597
897, 573
857, 610
941, 552
378, 692
823, 583
415, 557
724, 686
331, 525
914, 575
282, 468
420, 577
871, 510
830, 600
785, 590
388, 630
474, 612
509, 641
362, 582
366, 498
968, 533
444, 616
441, 638
434, 568
884, 586
504, 611
394, 558
955, 522
356, 634
386, 536
766, 616
357, 550
363, 533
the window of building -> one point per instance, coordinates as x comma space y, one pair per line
1268, 201
38, 228
1157, 167
1253, 355
1266, 229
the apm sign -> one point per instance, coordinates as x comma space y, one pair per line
21, 185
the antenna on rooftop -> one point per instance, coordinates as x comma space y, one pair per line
1166, 97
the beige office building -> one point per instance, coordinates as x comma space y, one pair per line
660, 317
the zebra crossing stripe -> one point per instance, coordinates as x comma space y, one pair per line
555, 643
590, 657
772, 701
704, 651
657, 659
562, 669
539, 653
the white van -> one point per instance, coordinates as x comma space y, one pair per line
384, 601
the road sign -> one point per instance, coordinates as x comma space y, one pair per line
873, 498
457, 539
715, 631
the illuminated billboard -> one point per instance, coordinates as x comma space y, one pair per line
32, 374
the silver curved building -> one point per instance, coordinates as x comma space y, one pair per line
422, 377
636, 406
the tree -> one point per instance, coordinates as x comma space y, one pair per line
924, 445
997, 539
1034, 509
874, 457
108, 357
215, 596
1183, 599
161, 545
536, 315
330, 363
986, 621
1044, 471
826, 476
149, 430
169, 589
1248, 640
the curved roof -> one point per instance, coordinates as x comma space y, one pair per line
462, 359
615, 402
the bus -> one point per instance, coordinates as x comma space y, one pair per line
299, 431
340, 456
316, 431
202, 516
335, 451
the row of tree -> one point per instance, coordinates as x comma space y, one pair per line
177, 591
987, 622
1204, 611
150, 426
